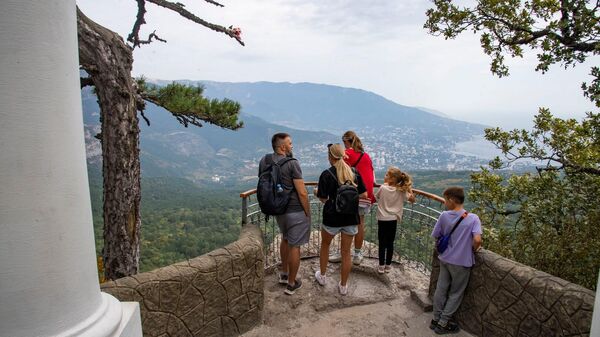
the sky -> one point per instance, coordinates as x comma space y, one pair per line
375, 45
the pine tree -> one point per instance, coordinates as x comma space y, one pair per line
107, 59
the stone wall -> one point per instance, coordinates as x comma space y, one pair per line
216, 294
506, 298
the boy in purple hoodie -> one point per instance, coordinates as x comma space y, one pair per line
456, 261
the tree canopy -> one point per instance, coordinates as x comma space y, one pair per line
546, 218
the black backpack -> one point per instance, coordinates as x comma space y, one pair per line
346, 196
273, 196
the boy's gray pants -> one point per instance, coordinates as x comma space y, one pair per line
451, 286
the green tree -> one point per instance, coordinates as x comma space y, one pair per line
108, 59
547, 218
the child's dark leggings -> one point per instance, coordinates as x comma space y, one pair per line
386, 233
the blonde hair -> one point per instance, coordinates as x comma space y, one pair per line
344, 172
403, 180
355, 142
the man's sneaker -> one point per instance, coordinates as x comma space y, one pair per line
343, 289
358, 257
433, 324
447, 329
283, 278
380, 269
335, 258
291, 289
322, 279
388, 268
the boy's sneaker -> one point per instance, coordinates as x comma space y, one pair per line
343, 289
380, 269
322, 279
358, 257
446, 329
283, 278
433, 324
335, 258
291, 289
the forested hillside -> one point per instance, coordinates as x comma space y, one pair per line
182, 220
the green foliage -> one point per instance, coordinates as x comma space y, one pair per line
180, 220
189, 106
546, 219
562, 32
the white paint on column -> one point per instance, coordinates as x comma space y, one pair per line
48, 278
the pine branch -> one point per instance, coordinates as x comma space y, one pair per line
178, 8
144, 117
188, 106
149, 40
214, 3
86, 82
139, 21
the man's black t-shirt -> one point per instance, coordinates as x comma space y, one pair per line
327, 188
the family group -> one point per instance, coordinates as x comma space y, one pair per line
351, 171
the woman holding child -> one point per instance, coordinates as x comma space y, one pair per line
334, 222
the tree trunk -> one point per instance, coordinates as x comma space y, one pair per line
108, 61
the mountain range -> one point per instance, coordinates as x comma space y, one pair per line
314, 114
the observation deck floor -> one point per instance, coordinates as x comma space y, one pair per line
376, 304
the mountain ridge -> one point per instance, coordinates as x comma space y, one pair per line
314, 114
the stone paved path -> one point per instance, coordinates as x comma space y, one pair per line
376, 305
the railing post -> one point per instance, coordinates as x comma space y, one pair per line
244, 210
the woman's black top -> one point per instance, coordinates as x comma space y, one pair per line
327, 188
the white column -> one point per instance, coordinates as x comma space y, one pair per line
48, 277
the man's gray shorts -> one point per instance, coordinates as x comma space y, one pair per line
294, 227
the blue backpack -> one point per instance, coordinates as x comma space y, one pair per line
273, 196
443, 241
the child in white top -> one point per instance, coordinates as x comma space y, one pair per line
390, 204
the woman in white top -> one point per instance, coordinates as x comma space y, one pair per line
391, 196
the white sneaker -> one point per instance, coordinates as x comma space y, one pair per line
381, 269
335, 258
358, 257
322, 279
343, 289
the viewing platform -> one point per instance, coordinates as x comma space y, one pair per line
233, 290
389, 304
376, 304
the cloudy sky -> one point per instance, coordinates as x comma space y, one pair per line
375, 45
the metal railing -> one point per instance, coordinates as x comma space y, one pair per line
413, 244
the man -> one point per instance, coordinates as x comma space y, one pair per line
294, 224
456, 261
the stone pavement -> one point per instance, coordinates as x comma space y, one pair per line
376, 305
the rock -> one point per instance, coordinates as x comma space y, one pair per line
422, 299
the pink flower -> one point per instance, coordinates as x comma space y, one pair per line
237, 31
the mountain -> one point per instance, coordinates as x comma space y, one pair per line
314, 114
331, 108
169, 149
432, 111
